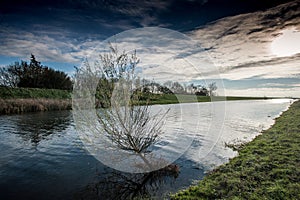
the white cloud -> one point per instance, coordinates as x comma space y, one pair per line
287, 44
288, 69
164, 54
22, 43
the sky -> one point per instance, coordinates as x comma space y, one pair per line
249, 47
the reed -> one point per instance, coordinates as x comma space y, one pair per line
18, 106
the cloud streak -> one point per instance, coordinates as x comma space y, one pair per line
238, 41
21, 43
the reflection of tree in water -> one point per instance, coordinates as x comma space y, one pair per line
118, 185
35, 127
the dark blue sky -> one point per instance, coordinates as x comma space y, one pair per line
103, 18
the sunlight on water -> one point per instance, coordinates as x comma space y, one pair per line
281, 101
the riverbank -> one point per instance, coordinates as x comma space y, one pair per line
23, 105
266, 168
18, 106
21, 100
189, 98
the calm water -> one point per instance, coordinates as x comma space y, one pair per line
42, 156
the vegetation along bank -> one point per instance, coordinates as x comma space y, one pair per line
21, 100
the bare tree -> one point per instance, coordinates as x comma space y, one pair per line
7, 78
129, 125
212, 87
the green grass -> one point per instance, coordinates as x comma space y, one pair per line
267, 167
187, 98
26, 93
232, 98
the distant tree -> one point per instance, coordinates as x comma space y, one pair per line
202, 92
138, 84
164, 90
55, 79
30, 75
212, 87
168, 84
177, 88
198, 90
7, 78
185, 87
153, 86
34, 75
190, 88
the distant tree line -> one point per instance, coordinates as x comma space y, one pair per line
144, 88
174, 87
34, 75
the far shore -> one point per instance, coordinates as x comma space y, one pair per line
23, 100
19, 106
25, 105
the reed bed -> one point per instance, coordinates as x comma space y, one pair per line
18, 106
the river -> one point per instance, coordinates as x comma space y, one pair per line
42, 156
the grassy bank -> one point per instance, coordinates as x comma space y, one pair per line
267, 167
25, 93
187, 98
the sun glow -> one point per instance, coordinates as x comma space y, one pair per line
287, 44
